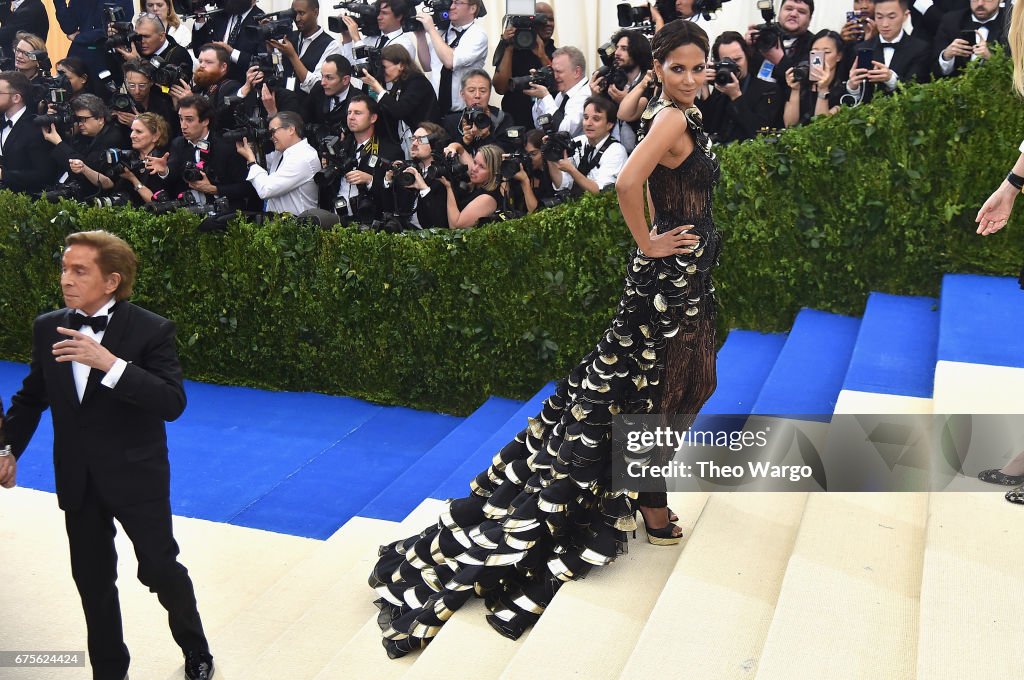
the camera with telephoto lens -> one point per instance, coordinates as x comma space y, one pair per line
197, 9
119, 160
124, 31
251, 126
270, 66
636, 18
272, 26
122, 103
163, 204
166, 74
369, 60
364, 14
117, 199
555, 142
73, 190
725, 69
511, 163
56, 91
802, 73
477, 116
767, 35
610, 71
452, 169
392, 223
527, 27
336, 159
544, 76
406, 180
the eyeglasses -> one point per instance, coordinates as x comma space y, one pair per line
82, 119
137, 86
273, 130
22, 53
425, 139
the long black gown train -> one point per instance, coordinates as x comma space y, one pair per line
545, 511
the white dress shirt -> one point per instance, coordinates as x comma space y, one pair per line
290, 187
7, 130
606, 172
470, 53
81, 371
313, 75
572, 122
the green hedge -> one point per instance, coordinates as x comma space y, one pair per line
876, 198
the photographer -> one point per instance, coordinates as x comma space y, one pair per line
478, 123
739, 105
202, 161
359, 190
25, 163
149, 139
289, 188
479, 201
233, 31
425, 202
824, 86
597, 157
85, 155
895, 56
789, 41
860, 23
29, 16
328, 100
75, 70
664, 11
965, 35
142, 98
85, 24
410, 98
459, 48
267, 99
392, 18
631, 60
30, 57
566, 109
210, 80
305, 49
153, 41
512, 61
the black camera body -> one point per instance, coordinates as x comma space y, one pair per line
802, 72
725, 69
119, 160
440, 10
117, 199
336, 158
451, 168
477, 116
167, 74
113, 13
636, 18
163, 204
192, 171
270, 66
557, 143
122, 103
72, 190
272, 26
369, 60
364, 14
527, 26
544, 76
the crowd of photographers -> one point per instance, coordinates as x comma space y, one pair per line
389, 126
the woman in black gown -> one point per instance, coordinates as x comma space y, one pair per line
546, 511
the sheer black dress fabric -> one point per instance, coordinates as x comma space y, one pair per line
548, 508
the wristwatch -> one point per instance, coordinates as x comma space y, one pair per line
140, 186
1016, 181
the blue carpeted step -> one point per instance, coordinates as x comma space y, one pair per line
896, 346
982, 320
808, 376
333, 485
402, 496
456, 484
744, 362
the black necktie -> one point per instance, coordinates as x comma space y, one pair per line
588, 156
444, 88
235, 30
382, 41
97, 323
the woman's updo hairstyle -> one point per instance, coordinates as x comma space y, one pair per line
675, 34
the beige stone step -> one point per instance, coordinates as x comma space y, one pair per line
849, 603
972, 588
714, 611
590, 627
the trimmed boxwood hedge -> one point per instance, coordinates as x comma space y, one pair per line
880, 197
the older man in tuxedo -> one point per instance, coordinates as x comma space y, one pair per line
109, 372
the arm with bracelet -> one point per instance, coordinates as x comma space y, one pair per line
996, 211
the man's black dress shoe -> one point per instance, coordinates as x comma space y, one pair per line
198, 666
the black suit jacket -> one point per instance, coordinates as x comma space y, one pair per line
115, 437
910, 62
246, 44
223, 166
92, 150
412, 101
31, 17
25, 157
317, 109
500, 121
949, 30
927, 23
372, 164
759, 106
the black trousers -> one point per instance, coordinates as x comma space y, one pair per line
91, 533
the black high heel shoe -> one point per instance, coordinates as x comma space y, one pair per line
663, 536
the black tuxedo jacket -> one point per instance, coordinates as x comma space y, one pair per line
31, 17
222, 164
910, 62
115, 437
927, 23
759, 106
317, 109
949, 30
223, 115
246, 44
500, 121
25, 157
92, 150
372, 164
412, 101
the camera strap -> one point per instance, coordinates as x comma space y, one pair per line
588, 164
444, 88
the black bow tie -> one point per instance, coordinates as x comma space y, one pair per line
978, 24
97, 323
5, 123
894, 43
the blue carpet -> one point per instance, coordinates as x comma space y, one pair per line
896, 347
411, 487
248, 456
982, 320
808, 376
744, 362
456, 485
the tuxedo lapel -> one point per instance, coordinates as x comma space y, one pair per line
65, 374
113, 338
